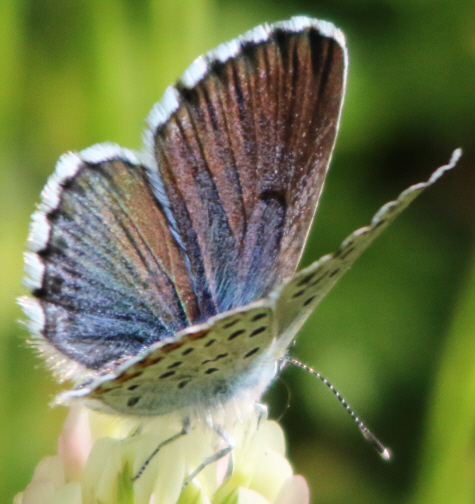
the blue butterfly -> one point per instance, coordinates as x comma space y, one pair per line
165, 280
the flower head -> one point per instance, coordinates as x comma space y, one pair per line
99, 455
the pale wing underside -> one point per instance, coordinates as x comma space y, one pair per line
205, 365
296, 300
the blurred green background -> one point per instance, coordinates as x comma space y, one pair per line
396, 335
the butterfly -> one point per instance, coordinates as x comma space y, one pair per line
165, 280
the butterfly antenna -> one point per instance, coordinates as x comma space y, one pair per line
383, 451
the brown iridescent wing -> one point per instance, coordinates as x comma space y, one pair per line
243, 144
107, 276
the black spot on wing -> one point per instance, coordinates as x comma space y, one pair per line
252, 352
235, 334
133, 401
257, 331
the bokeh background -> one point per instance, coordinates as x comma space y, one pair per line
396, 335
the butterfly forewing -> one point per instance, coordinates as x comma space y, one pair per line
296, 300
244, 156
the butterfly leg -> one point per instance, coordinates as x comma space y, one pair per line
137, 431
262, 413
213, 458
184, 431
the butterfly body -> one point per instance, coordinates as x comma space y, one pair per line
164, 280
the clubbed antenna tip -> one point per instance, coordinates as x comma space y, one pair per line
383, 451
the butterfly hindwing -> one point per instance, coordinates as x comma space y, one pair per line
205, 364
106, 271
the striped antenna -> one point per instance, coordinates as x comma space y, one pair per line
383, 451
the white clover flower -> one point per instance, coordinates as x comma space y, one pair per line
97, 459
